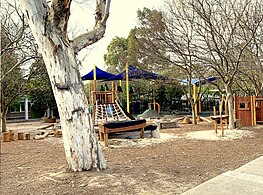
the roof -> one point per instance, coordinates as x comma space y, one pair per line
203, 82
136, 73
100, 75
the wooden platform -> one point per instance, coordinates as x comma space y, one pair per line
120, 126
217, 117
220, 118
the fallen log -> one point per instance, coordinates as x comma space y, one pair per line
43, 136
181, 118
46, 127
206, 119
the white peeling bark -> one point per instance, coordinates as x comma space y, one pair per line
80, 141
97, 33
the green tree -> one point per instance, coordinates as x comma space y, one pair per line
250, 73
166, 43
225, 30
144, 42
201, 38
12, 85
117, 54
40, 90
17, 49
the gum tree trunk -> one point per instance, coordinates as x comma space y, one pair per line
3, 119
49, 26
230, 107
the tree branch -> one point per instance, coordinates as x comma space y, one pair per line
86, 39
59, 16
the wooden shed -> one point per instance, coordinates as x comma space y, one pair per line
249, 110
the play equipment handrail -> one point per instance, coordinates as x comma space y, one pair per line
158, 105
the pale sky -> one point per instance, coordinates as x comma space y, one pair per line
123, 17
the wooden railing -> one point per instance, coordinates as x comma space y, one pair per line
104, 97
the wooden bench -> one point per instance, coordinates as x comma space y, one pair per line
120, 126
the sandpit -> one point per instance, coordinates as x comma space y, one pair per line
211, 135
165, 137
121, 142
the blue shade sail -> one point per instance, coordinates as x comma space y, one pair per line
100, 75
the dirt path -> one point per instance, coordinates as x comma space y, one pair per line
172, 165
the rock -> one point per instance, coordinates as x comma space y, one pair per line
187, 120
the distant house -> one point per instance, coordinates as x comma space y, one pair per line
20, 110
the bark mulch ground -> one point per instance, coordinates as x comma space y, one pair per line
170, 167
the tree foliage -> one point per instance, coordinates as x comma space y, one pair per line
201, 38
40, 90
117, 54
17, 49
12, 84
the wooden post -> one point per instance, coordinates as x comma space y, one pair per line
89, 92
120, 93
12, 135
105, 96
27, 136
106, 142
127, 88
214, 108
215, 121
235, 117
159, 108
94, 83
142, 133
112, 89
20, 136
154, 107
255, 114
253, 111
5, 137
101, 137
195, 99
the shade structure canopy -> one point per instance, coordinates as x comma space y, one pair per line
202, 82
136, 73
205, 81
100, 75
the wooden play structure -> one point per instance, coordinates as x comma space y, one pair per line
221, 117
110, 117
106, 108
249, 109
